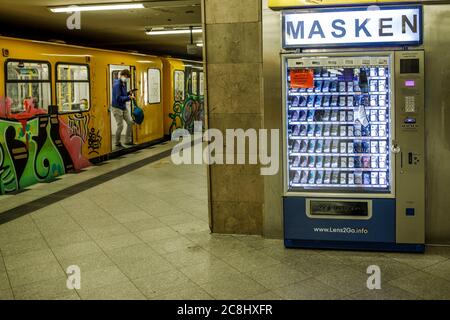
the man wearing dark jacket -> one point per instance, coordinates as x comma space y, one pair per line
120, 97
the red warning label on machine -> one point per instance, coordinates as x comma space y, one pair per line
302, 78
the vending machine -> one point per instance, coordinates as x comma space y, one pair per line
354, 130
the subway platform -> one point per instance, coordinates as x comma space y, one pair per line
137, 228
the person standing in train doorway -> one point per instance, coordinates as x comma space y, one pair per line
120, 97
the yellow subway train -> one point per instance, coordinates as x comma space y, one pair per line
55, 106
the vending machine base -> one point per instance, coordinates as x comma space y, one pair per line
353, 246
356, 224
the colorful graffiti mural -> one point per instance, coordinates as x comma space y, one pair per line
36, 148
186, 112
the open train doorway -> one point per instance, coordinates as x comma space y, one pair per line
114, 75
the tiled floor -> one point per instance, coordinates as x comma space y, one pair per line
145, 235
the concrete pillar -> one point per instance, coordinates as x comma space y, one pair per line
233, 56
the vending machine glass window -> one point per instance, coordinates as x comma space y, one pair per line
338, 120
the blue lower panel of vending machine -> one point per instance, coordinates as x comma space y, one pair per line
346, 224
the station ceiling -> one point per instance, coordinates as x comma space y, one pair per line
117, 29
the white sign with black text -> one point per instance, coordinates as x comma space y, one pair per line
353, 27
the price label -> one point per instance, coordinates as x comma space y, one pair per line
302, 78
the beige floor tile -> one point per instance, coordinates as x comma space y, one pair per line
100, 278
88, 262
177, 219
310, 289
269, 295
189, 292
132, 216
60, 230
141, 268
8, 237
258, 242
346, 280
61, 240
124, 290
215, 270
62, 218
93, 221
251, 261
315, 265
4, 281
190, 227
28, 259
353, 257
162, 283
417, 261
24, 246
190, 256
121, 241
76, 250
283, 254
387, 292
6, 294
277, 276
226, 246
43, 290
71, 296
171, 245
441, 270
233, 288
89, 215
21, 225
107, 231
424, 285
118, 209
443, 251
132, 253
35, 273
157, 234
160, 209
50, 212
148, 223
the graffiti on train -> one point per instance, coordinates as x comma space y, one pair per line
79, 125
186, 112
94, 141
36, 148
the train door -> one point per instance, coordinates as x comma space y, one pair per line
114, 72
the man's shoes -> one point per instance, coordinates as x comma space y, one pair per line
119, 145
129, 144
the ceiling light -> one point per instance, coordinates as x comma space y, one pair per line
75, 8
159, 32
200, 44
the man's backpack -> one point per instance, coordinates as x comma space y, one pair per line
137, 114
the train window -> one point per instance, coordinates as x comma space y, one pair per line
179, 85
28, 84
194, 83
202, 84
72, 87
154, 86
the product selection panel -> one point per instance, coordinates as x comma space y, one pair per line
410, 106
411, 88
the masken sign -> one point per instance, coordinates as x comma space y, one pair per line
352, 27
